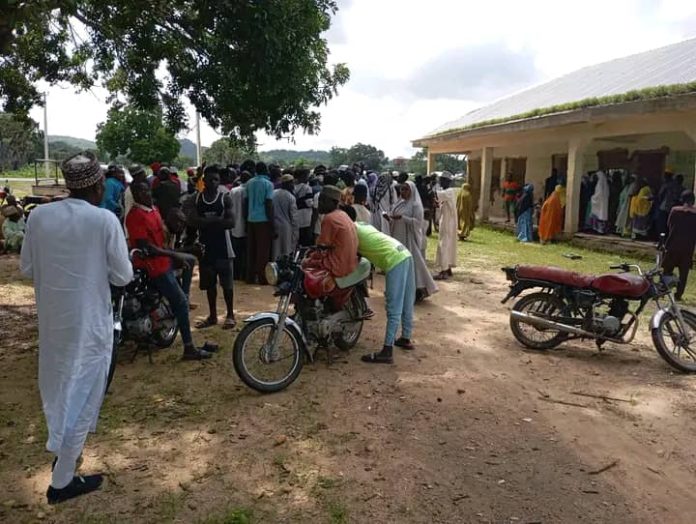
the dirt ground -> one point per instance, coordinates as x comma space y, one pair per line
467, 428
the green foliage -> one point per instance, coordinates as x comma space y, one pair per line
245, 65
226, 151
20, 141
231, 516
79, 143
286, 157
635, 95
183, 162
369, 155
418, 163
138, 134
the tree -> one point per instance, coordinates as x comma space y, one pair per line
225, 151
338, 155
140, 135
20, 141
372, 157
245, 65
418, 163
454, 163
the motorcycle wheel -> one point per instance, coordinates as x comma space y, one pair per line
349, 336
533, 337
249, 362
165, 337
670, 342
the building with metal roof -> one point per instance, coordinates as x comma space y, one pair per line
635, 114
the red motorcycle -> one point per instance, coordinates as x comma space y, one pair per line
568, 305
270, 350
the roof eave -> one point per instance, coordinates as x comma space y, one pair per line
674, 102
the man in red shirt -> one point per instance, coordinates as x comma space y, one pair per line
338, 233
146, 232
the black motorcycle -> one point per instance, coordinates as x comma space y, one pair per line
141, 315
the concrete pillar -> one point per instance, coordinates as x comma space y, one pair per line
691, 131
576, 166
431, 162
486, 177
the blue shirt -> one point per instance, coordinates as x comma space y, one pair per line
257, 191
113, 194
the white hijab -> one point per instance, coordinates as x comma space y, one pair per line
600, 198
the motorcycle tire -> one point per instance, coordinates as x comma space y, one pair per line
526, 301
357, 307
247, 376
658, 337
165, 338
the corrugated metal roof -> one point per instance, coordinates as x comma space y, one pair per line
673, 64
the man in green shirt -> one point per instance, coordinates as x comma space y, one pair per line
389, 255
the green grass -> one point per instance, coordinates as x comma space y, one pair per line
230, 516
489, 250
24, 172
338, 513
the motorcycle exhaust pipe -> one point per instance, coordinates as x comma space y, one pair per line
550, 324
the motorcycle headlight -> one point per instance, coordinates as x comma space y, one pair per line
271, 273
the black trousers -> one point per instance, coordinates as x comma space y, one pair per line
240, 262
306, 236
681, 261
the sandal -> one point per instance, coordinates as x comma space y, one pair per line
377, 358
206, 323
405, 343
230, 323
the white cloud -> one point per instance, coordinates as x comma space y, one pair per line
391, 44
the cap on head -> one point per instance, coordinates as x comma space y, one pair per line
447, 175
332, 192
81, 170
287, 178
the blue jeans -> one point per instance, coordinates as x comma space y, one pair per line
400, 295
168, 285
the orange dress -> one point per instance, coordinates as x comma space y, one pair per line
551, 219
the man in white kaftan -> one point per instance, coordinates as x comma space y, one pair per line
446, 257
73, 250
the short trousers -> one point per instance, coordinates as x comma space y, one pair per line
221, 269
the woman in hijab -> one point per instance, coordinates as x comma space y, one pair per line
523, 214
551, 220
641, 205
406, 220
630, 189
383, 198
599, 205
465, 211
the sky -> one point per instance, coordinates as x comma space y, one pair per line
416, 65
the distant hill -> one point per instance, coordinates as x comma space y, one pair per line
188, 148
79, 143
287, 156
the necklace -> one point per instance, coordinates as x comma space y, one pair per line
212, 201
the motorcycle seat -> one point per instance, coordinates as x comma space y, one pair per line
556, 275
359, 274
621, 285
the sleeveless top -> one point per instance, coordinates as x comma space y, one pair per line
217, 241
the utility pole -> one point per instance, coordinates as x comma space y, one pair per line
199, 160
47, 167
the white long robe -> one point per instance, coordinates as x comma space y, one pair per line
446, 256
72, 251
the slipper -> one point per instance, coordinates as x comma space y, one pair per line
229, 323
368, 314
377, 358
210, 348
198, 354
405, 344
206, 323
441, 276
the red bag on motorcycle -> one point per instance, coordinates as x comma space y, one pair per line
318, 282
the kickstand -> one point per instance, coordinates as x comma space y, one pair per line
600, 344
138, 348
329, 355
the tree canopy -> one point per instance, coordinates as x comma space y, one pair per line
137, 134
369, 155
20, 142
225, 151
245, 65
